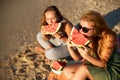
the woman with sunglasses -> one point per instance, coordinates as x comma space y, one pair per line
101, 60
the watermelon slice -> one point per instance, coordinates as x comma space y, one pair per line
51, 28
78, 39
58, 65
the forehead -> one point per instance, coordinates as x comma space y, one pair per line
87, 23
50, 13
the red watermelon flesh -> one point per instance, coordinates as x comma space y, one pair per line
78, 39
51, 28
57, 65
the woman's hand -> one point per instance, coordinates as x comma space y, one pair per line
56, 35
69, 44
83, 51
43, 30
73, 53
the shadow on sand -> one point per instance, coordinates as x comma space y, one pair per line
113, 17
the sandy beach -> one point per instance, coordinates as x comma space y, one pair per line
20, 22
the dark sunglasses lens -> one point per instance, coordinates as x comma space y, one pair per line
85, 30
78, 27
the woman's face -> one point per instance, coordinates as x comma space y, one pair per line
50, 17
87, 28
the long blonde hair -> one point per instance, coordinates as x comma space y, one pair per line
102, 33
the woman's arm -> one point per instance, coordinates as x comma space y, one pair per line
68, 29
74, 54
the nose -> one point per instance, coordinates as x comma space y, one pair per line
81, 31
50, 21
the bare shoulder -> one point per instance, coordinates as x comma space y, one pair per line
67, 22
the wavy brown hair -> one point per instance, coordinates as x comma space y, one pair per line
104, 37
57, 12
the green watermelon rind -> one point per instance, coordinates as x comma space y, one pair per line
77, 45
59, 71
56, 29
56, 72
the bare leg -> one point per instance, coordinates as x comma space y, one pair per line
41, 49
70, 70
82, 73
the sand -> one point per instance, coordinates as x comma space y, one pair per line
20, 22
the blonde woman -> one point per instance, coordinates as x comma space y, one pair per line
102, 61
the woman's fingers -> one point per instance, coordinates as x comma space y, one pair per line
42, 30
56, 35
85, 48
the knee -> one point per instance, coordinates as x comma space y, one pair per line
51, 54
83, 69
66, 70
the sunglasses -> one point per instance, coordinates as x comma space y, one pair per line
84, 29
